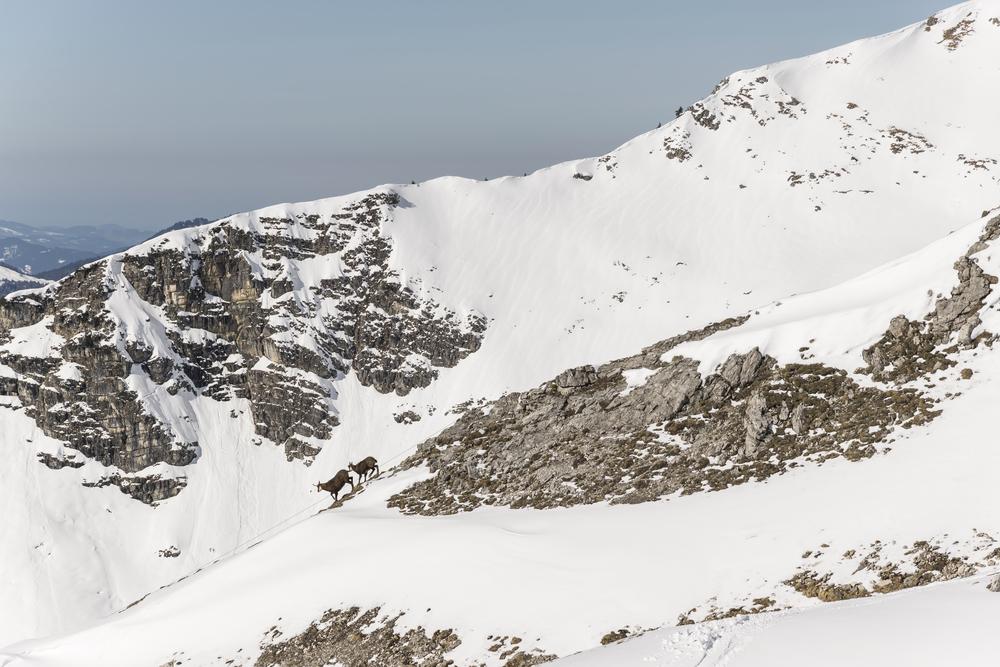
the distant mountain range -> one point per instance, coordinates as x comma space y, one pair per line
35, 250
12, 281
183, 224
53, 253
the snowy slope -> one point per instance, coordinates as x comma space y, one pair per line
560, 580
945, 624
11, 280
789, 178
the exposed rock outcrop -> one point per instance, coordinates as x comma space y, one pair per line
922, 563
235, 317
91, 407
679, 432
911, 349
149, 489
367, 638
593, 435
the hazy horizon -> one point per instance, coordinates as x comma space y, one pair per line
136, 115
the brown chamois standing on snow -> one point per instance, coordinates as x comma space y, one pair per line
364, 468
336, 483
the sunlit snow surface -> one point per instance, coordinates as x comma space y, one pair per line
945, 624
571, 271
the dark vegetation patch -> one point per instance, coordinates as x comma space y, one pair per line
878, 568
614, 636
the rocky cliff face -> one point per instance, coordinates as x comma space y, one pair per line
272, 312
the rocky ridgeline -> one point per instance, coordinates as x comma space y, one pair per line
590, 435
238, 321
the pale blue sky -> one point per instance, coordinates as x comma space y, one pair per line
146, 112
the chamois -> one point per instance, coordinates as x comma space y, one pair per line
336, 483
364, 468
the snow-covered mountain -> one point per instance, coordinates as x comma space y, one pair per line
11, 280
52, 253
44, 250
761, 429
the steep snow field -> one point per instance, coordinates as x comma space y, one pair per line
791, 178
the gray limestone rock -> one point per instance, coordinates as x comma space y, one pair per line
222, 315
576, 377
